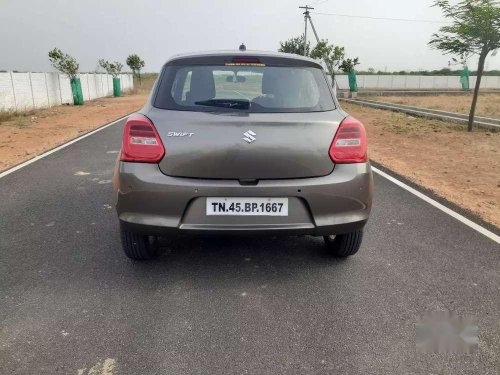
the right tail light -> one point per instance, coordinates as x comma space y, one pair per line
349, 144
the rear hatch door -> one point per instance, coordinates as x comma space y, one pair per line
246, 145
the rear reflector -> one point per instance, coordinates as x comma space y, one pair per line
349, 144
141, 142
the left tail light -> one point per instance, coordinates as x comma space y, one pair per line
141, 142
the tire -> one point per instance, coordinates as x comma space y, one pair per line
344, 245
136, 246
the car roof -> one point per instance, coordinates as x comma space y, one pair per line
249, 53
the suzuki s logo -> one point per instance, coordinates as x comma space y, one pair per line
249, 136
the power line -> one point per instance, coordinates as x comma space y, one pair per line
378, 18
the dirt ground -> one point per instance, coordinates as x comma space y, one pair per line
24, 137
488, 105
459, 166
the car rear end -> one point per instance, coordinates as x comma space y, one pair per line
242, 143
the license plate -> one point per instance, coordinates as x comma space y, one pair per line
247, 206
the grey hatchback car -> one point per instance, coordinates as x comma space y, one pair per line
242, 142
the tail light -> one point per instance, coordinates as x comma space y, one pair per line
141, 142
349, 144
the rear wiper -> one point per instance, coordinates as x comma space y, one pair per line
226, 103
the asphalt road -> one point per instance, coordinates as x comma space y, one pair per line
70, 300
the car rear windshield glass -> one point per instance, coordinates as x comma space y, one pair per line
259, 89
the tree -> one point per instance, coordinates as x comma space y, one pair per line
295, 45
349, 64
331, 55
64, 63
135, 63
475, 30
113, 68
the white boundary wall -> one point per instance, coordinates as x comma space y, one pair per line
25, 91
411, 82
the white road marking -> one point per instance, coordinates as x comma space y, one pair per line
81, 173
64, 145
441, 207
241, 94
106, 368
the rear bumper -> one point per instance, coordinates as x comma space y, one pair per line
150, 202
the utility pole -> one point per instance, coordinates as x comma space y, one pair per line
306, 17
329, 67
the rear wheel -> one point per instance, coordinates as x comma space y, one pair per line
344, 245
137, 246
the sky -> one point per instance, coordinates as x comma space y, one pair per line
155, 30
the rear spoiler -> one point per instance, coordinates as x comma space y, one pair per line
228, 59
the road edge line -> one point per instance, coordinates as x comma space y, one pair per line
60, 147
441, 207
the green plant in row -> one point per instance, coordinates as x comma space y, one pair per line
68, 65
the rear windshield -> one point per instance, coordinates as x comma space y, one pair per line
259, 89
